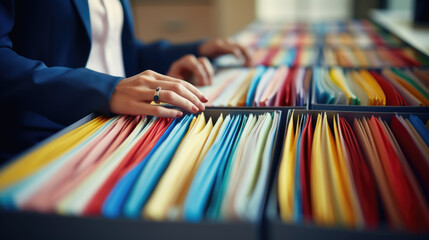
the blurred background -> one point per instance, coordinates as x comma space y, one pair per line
187, 20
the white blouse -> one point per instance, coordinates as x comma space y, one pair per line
107, 18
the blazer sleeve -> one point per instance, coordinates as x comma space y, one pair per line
59, 93
158, 56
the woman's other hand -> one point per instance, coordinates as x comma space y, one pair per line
198, 71
217, 47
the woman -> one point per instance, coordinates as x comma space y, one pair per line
61, 60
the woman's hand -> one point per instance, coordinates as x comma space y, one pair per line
189, 66
217, 47
133, 95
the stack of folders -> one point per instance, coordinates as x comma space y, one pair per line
285, 56
285, 36
259, 87
346, 44
387, 87
334, 34
160, 168
360, 34
373, 57
342, 56
359, 172
359, 39
276, 38
277, 56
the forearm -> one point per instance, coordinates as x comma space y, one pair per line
61, 94
158, 56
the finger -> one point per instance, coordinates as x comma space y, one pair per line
238, 50
175, 99
229, 41
192, 64
179, 89
245, 53
181, 98
208, 68
187, 85
141, 108
228, 48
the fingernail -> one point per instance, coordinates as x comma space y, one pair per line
202, 107
205, 99
179, 114
195, 109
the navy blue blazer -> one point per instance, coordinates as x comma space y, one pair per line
44, 47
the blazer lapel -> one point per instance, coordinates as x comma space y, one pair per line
128, 14
83, 10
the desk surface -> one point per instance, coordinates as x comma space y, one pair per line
401, 24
